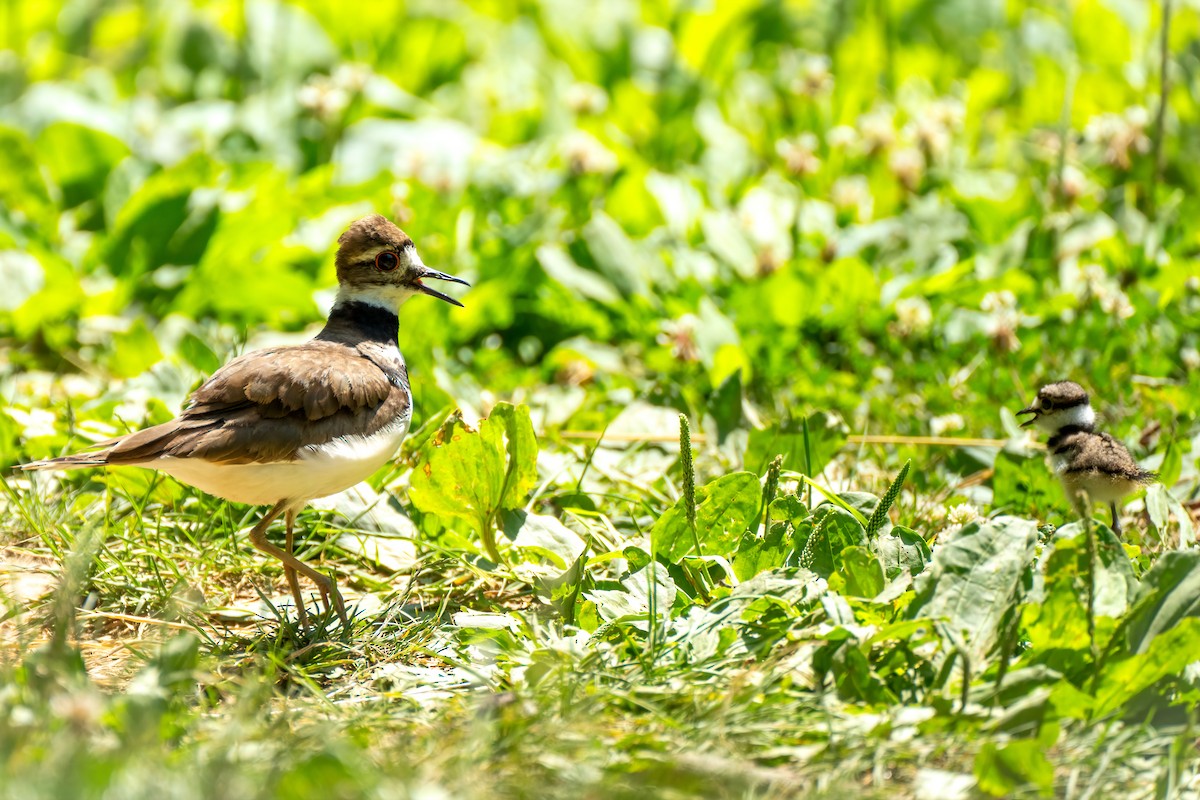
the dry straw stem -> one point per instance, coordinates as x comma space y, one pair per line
699, 438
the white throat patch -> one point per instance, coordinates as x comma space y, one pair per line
389, 297
1081, 416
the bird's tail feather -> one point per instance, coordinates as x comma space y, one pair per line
96, 457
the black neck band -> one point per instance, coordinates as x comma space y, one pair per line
371, 322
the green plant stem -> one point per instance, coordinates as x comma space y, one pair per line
689, 494
1161, 115
1091, 597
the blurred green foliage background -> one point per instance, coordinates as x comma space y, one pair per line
862, 206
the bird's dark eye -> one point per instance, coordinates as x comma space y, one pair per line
1047, 405
387, 261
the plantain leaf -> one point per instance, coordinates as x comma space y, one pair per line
473, 475
724, 509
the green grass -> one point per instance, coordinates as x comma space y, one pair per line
784, 226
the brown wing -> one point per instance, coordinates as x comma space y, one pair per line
266, 405
1100, 452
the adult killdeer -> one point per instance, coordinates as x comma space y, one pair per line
1093, 467
285, 425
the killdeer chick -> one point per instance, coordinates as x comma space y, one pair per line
1093, 467
285, 425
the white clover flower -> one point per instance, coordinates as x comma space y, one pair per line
767, 217
1003, 320
585, 155
1138, 117
322, 97
960, 516
948, 112
815, 76
878, 129
1075, 185
1117, 303
1121, 136
946, 423
586, 98
932, 136
799, 154
908, 166
35, 422
841, 137
913, 315
351, 77
853, 193
1097, 283
1003, 300
680, 334
80, 709
1049, 145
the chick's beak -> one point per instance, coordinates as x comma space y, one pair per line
1031, 410
440, 276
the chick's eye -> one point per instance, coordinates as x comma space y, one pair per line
387, 261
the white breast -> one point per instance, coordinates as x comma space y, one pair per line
1099, 488
1059, 462
320, 470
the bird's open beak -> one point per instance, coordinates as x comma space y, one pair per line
440, 276
1031, 410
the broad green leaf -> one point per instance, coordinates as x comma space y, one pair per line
284, 41
757, 554
725, 405
78, 159
1057, 626
133, 351
197, 352
1025, 486
22, 186
561, 268
1115, 580
976, 577
248, 249
1165, 654
146, 231
1168, 594
622, 261
473, 475
21, 275
724, 509
788, 509
821, 539
827, 433
1020, 764
1172, 464
543, 535
1160, 506
902, 550
631, 603
862, 571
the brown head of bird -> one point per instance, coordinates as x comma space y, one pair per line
377, 263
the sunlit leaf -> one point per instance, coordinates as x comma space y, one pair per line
724, 509
976, 577
474, 475
1002, 769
